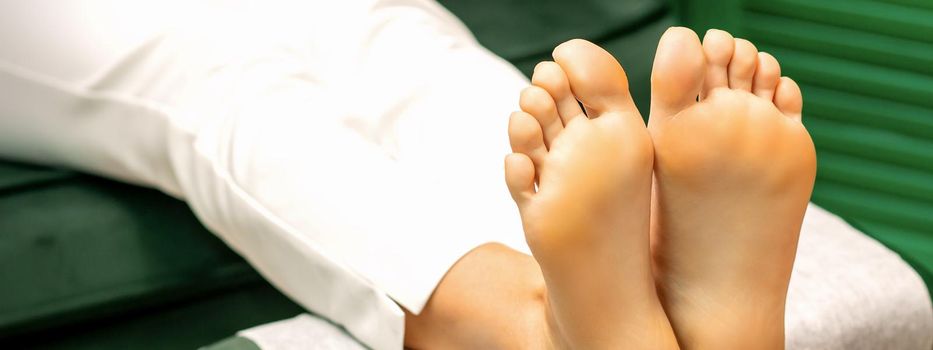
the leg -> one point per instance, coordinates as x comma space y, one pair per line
493, 298
587, 220
733, 173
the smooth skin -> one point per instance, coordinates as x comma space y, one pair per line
586, 221
734, 172
681, 234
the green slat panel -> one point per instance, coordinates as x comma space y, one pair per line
861, 78
876, 176
869, 143
866, 71
889, 19
922, 4
861, 46
840, 106
893, 210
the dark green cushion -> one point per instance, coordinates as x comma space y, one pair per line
76, 247
866, 71
184, 324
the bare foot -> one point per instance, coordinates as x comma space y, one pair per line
733, 175
587, 220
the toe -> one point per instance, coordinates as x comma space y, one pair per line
788, 99
520, 177
743, 64
718, 47
537, 102
595, 77
552, 78
526, 137
766, 76
677, 75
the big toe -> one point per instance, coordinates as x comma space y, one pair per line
678, 72
596, 78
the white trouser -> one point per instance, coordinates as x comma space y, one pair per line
351, 151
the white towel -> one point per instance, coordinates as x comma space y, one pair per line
850, 292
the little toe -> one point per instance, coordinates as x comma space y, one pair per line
520, 178
766, 76
743, 64
550, 76
526, 137
595, 76
788, 99
678, 72
538, 103
718, 46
